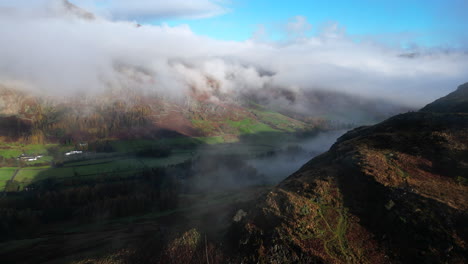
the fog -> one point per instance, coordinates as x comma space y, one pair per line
52, 48
278, 167
228, 167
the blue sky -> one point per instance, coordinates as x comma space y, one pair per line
423, 22
398, 22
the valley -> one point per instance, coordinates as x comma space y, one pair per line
149, 202
139, 190
110, 169
84, 198
233, 132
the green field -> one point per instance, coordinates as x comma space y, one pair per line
27, 175
129, 146
259, 138
259, 120
13, 150
124, 146
279, 121
187, 142
116, 163
249, 126
120, 165
112, 166
5, 175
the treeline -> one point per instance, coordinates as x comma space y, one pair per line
106, 121
14, 128
83, 199
87, 200
154, 151
74, 123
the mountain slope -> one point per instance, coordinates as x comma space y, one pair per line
124, 114
456, 102
133, 114
390, 193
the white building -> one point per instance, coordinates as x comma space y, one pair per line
73, 152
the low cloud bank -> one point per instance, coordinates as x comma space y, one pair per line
57, 49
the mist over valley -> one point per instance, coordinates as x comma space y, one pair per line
236, 131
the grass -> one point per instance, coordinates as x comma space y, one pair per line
334, 234
5, 176
250, 126
52, 173
279, 121
135, 145
261, 139
104, 164
162, 162
125, 146
88, 162
403, 173
267, 122
32, 175
28, 175
10, 153
205, 126
118, 164
390, 158
44, 159
121, 167
211, 140
99, 164
190, 143
13, 150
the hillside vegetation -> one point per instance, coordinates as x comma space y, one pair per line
390, 193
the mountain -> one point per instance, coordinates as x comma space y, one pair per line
326, 104
456, 102
136, 114
394, 192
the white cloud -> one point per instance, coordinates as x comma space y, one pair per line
260, 34
298, 27
65, 54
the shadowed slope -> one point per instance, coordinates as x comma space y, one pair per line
456, 102
390, 193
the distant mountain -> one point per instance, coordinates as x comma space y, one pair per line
132, 114
395, 192
126, 114
330, 105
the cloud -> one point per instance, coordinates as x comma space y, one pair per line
63, 53
260, 34
298, 27
146, 10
